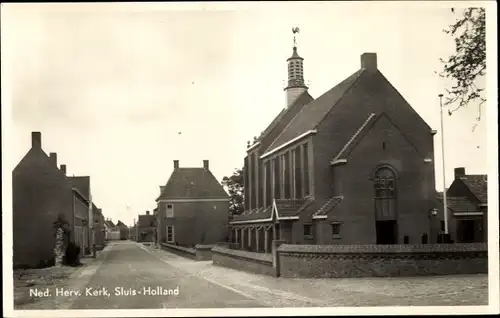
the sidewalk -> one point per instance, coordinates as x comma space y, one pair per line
54, 277
331, 292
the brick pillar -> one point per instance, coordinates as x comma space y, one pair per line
266, 240
236, 238
257, 241
249, 238
242, 238
276, 265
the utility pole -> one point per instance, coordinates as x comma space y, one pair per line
445, 205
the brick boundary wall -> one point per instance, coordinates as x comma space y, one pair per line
340, 261
257, 263
179, 250
203, 252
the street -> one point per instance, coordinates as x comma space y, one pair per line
130, 268
127, 275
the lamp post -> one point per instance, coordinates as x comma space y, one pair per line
445, 205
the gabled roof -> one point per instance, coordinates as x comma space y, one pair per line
82, 184
291, 207
328, 206
254, 215
478, 185
313, 113
146, 220
301, 101
459, 204
193, 183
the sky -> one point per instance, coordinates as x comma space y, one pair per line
121, 90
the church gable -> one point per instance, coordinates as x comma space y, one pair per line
377, 135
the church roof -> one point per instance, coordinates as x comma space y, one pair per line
295, 55
281, 120
192, 183
314, 112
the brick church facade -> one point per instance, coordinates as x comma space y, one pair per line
353, 166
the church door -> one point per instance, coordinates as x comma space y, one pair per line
385, 206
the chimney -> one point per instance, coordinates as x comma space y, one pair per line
459, 172
162, 188
176, 164
36, 139
53, 158
147, 212
369, 61
205, 164
63, 169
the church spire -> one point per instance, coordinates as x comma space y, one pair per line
296, 85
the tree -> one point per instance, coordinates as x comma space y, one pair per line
468, 62
62, 235
236, 189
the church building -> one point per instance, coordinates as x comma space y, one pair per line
353, 166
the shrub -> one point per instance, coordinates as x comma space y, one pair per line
72, 255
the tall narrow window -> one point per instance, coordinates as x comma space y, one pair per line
277, 178
253, 194
385, 193
286, 168
170, 234
246, 185
298, 174
306, 170
268, 183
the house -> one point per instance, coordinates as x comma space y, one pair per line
112, 232
40, 193
146, 228
353, 166
124, 230
86, 234
99, 228
192, 207
467, 203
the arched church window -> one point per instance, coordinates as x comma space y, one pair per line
384, 183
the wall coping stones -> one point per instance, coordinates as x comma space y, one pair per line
384, 249
260, 257
180, 248
203, 247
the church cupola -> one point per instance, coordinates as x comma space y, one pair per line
296, 85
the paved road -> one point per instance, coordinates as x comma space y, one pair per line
131, 268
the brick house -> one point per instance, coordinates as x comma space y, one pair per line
146, 228
81, 201
193, 207
124, 230
40, 193
467, 203
353, 166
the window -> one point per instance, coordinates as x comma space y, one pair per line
170, 234
306, 170
384, 184
308, 230
336, 230
170, 210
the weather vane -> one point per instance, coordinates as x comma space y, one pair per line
294, 31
